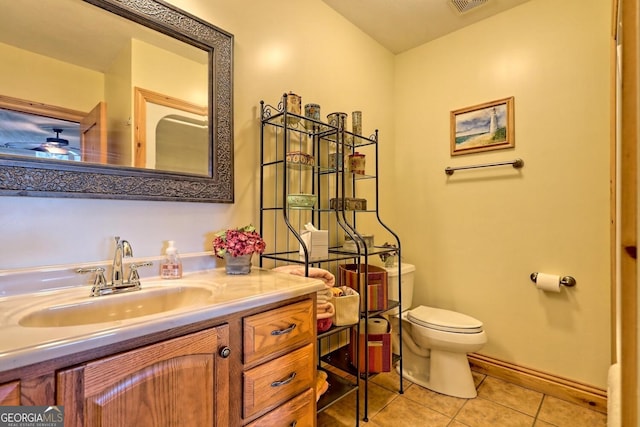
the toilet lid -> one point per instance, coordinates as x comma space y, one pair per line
444, 320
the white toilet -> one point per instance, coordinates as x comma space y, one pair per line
435, 342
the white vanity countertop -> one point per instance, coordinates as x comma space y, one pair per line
24, 345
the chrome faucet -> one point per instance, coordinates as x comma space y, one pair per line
118, 284
123, 249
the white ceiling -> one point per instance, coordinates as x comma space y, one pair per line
400, 25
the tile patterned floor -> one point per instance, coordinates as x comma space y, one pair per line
499, 404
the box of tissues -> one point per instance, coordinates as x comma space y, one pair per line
316, 242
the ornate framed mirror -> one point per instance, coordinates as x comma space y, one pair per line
122, 47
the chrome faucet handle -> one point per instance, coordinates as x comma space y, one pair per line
134, 277
127, 249
99, 282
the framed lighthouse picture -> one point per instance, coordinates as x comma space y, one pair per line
483, 127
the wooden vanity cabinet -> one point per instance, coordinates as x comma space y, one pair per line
10, 394
254, 367
179, 382
32, 391
279, 366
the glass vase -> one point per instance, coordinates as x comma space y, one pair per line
238, 264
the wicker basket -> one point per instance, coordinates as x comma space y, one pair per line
347, 307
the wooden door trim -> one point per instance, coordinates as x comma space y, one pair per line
41, 109
140, 98
629, 211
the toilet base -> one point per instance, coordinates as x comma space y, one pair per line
448, 373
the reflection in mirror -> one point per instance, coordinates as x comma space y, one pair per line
171, 134
26, 134
179, 145
87, 61
134, 56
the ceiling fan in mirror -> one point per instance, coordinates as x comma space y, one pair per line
55, 144
33, 133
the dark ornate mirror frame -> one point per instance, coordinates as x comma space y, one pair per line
47, 178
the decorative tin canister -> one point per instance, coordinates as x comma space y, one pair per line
294, 106
350, 204
356, 122
312, 111
337, 119
356, 163
299, 158
336, 161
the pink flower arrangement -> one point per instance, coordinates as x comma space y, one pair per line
239, 241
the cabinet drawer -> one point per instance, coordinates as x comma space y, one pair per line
299, 411
272, 383
276, 331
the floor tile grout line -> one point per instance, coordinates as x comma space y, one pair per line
544, 396
467, 400
460, 409
397, 395
538, 409
452, 419
504, 406
458, 422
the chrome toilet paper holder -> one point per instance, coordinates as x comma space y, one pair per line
564, 280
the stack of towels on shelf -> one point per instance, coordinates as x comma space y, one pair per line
322, 385
325, 309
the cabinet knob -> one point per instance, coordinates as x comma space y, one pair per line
225, 352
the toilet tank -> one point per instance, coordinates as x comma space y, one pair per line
407, 271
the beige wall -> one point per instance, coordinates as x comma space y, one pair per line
119, 99
287, 45
154, 69
58, 83
475, 237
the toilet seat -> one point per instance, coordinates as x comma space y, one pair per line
444, 320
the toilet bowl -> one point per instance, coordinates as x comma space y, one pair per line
435, 342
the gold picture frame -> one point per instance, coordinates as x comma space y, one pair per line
484, 127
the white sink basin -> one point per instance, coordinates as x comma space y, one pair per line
109, 308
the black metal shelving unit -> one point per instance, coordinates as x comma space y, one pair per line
284, 132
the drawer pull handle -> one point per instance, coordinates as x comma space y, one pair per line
284, 331
283, 382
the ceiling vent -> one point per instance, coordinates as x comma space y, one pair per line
464, 6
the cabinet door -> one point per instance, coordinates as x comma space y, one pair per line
10, 394
179, 382
36, 391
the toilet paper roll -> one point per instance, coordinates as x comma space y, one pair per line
377, 325
548, 282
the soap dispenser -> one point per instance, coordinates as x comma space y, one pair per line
171, 266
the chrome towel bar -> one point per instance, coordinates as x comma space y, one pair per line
517, 164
